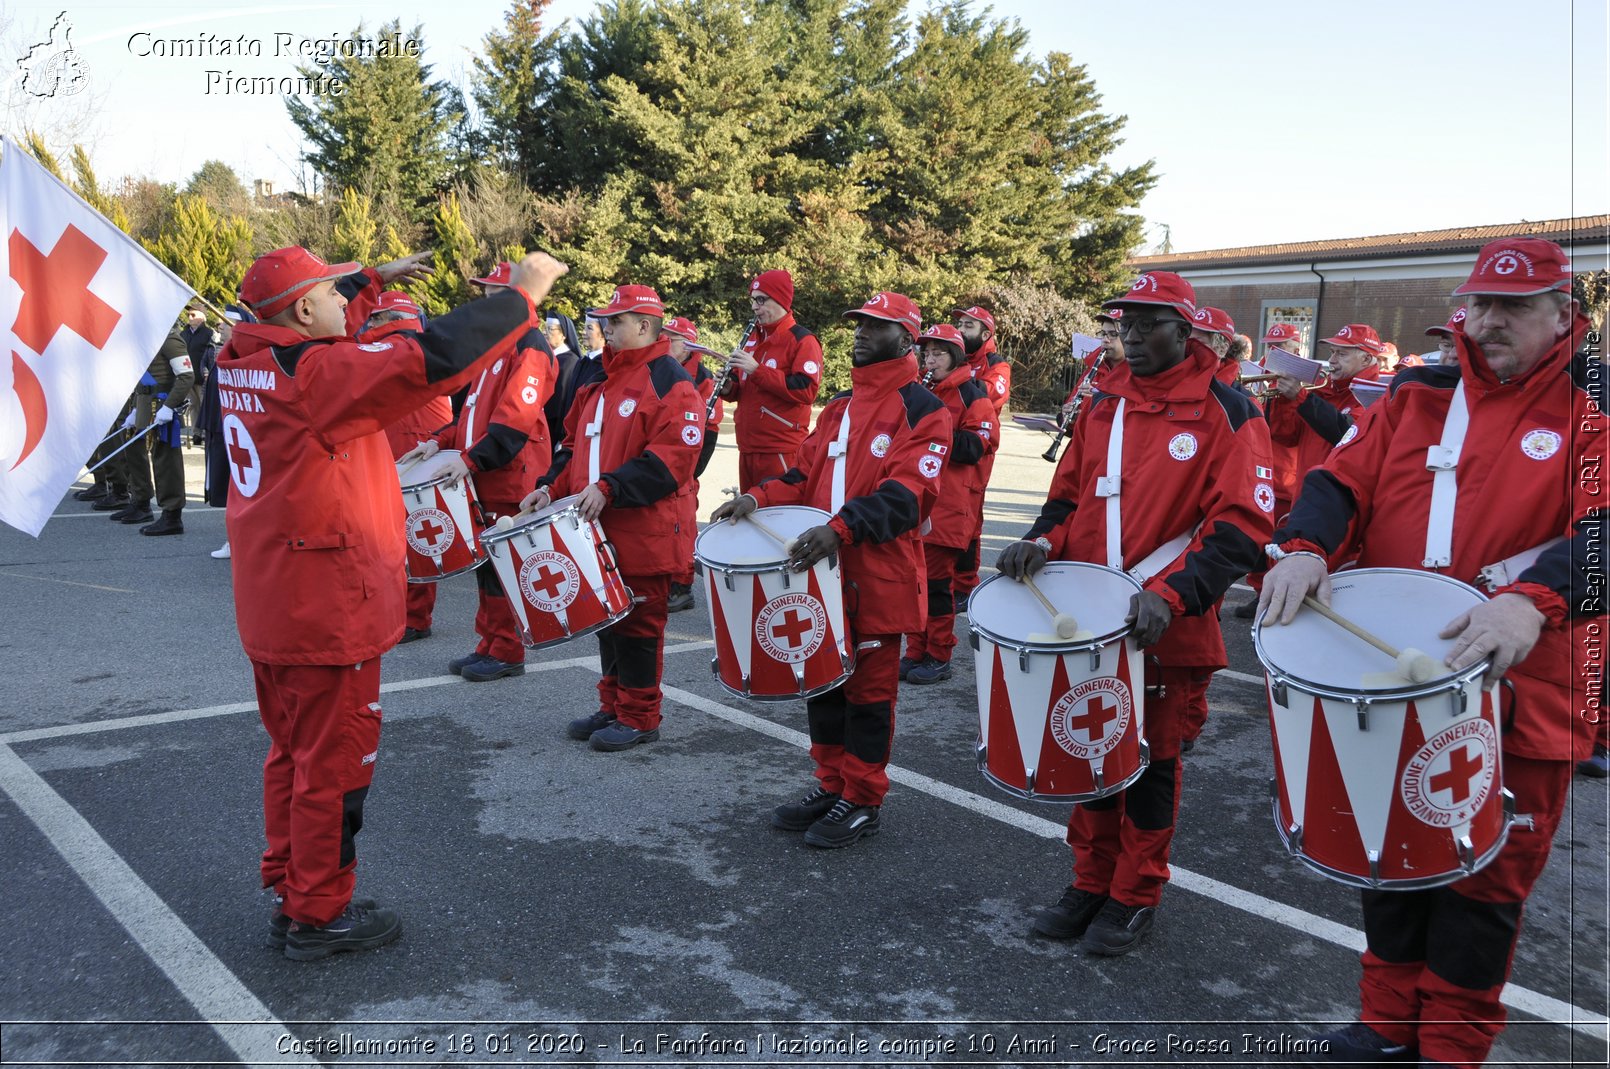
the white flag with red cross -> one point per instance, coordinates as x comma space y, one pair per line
83, 309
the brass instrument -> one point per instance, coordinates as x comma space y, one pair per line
726, 370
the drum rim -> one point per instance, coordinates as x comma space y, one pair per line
492, 536
1025, 646
758, 567
981, 755
442, 479
1453, 681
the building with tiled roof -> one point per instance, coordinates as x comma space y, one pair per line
1397, 283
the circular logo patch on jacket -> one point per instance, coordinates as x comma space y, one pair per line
627, 407
810, 367
529, 395
497, 368
1352, 432
691, 434
245, 466
1540, 444
929, 465
880, 445
1264, 495
1182, 446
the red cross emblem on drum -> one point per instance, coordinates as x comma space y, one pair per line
1090, 720
790, 628
1447, 781
430, 532
550, 580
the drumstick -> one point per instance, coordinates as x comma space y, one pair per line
1414, 665
786, 543
1066, 626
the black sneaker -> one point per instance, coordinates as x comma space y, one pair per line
681, 599
842, 825
1358, 1044
1071, 915
931, 670
279, 923
615, 736
1118, 929
906, 665
1246, 610
414, 634
489, 668
581, 729
357, 928
800, 815
458, 664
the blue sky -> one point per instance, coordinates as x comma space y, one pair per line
1269, 121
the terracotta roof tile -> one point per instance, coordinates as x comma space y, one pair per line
1458, 239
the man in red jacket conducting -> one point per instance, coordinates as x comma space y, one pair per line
776, 377
631, 443
873, 463
318, 548
1160, 479
958, 514
501, 435
1475, 469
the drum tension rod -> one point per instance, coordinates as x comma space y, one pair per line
1363, 705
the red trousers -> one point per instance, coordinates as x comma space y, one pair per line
1196, 707
1436, 961
323, 725
631, 654
495, 622
939, 639
1121, 842
967, 570
852, 725
755, 468
421, 604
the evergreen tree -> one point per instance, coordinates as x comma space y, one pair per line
392, 128
35, 145
513, 85
355, 229
208, 251
217, 183
453, 260
89, 187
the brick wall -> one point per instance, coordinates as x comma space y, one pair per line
1400, 309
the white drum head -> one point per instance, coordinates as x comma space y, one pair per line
1401, 606
426, 471
743, 545
528, 522
1097, 597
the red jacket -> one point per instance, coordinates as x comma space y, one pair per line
993, 373
1192, 453
705, 383
958, 514
1532, 468
424, 421
1229, 372
315, 514
1304, 431
774, 400
502, 430
648, 446
899, 440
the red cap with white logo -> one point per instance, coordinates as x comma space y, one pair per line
640, 299
276, 279
976, 312
895, 307
1214, 321
682, 328
1518, 267
1161, 288
1455, 324
501, 275
1357, 336
1281, 333
943, 332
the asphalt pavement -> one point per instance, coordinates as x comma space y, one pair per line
562, 906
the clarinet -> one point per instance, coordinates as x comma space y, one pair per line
1050, 455
725, 374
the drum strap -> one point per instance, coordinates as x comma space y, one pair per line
1509, 569
1163, 555
1443, 461
837, 450
1107, 486
470, 404
595, 432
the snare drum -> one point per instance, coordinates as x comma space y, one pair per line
559, 574
1059, 720
440, 528
780, 634
1383, 783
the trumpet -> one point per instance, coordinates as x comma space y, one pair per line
726, 369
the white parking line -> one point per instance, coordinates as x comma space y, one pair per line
66, 582
207, 983
1524, 999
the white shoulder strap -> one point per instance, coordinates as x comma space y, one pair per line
1443, 461
595, 433
1108, 486
836, 451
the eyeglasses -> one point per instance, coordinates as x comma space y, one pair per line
1142, 327
1109, 334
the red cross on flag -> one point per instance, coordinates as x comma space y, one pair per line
83, 309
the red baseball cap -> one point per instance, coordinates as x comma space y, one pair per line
276, 279
895, 307
943, 332
1162, 289
975, 312
1281, 332
682, 328
640, 299
1111, 315
501, 275
1518, 267
1357, 336
397, 301
1455, 324
778, 285
1214, 321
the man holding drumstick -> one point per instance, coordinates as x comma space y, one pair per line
1520, 415
1191, 512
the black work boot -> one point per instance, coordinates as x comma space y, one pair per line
169, 524
137, 512
357, 928
1071, 915
116, 500
800, 815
